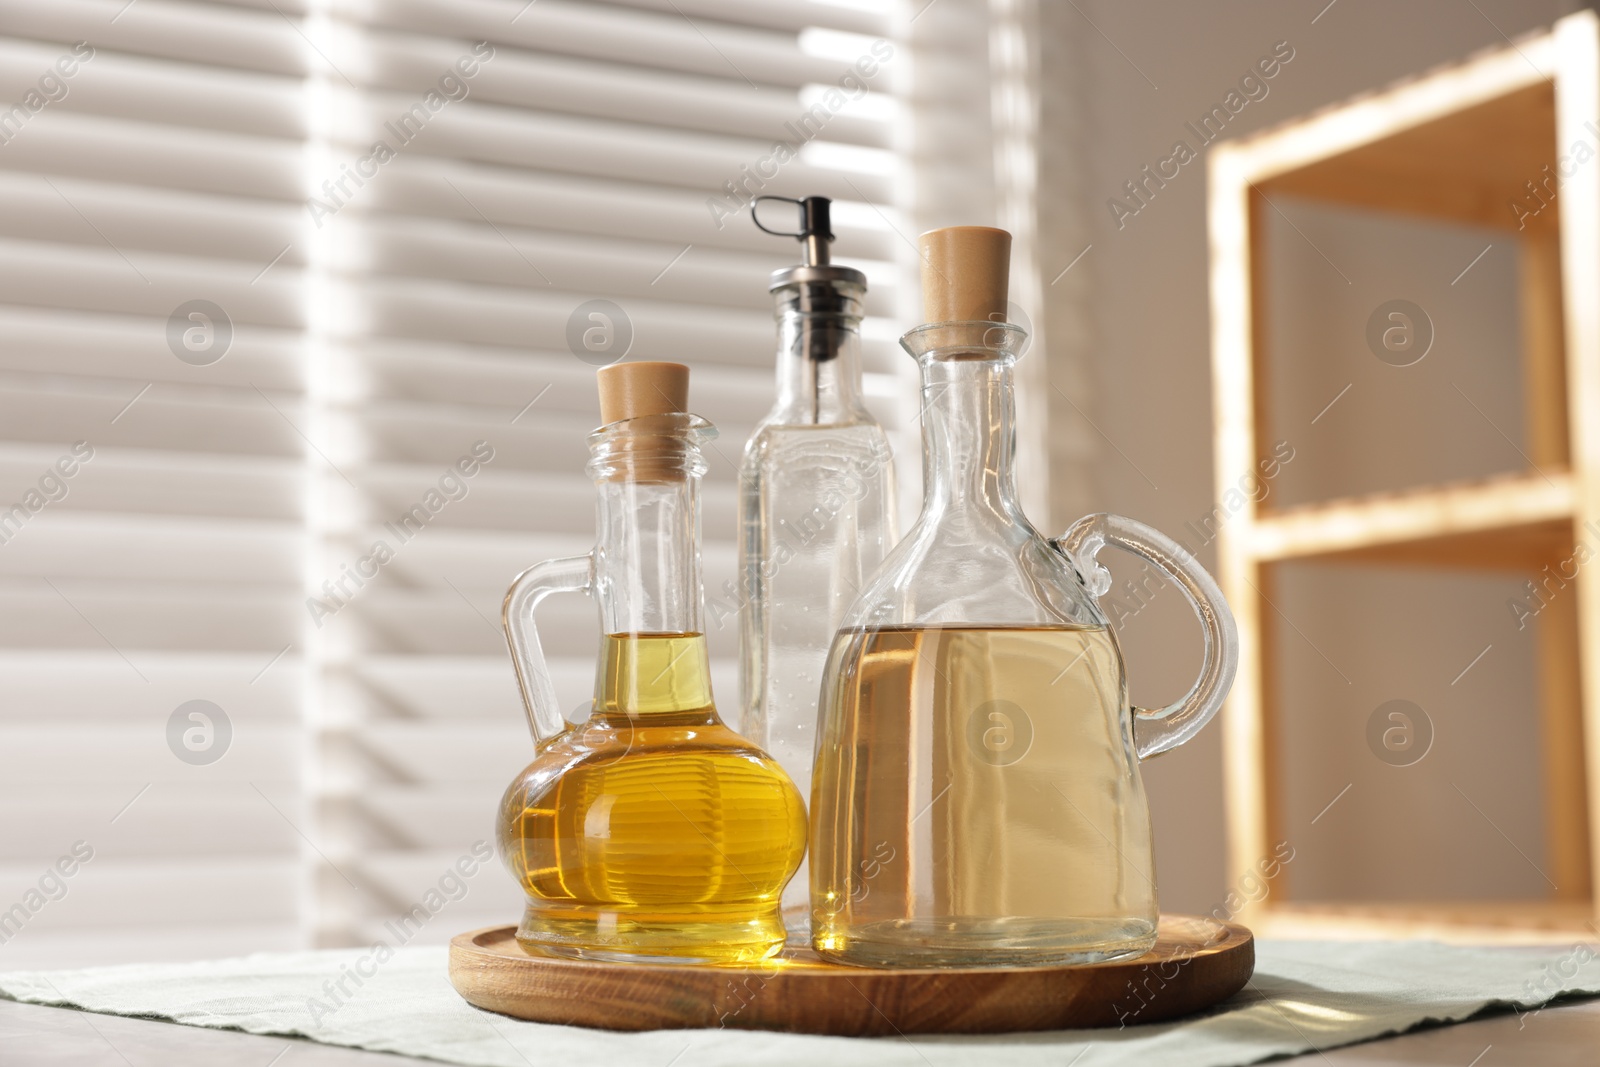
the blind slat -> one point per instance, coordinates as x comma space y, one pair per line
374, 340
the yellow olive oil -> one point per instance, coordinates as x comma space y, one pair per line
652, 831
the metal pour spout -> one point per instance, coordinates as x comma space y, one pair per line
823, 298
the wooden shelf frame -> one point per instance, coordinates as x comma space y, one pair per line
1419, 148
1512, 522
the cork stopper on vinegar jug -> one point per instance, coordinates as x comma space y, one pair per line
633, 390
966, 271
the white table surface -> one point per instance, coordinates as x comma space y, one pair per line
36, 1036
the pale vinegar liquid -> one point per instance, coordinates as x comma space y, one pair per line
977, 799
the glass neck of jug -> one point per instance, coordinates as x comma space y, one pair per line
647, 555
968, 419
819, 353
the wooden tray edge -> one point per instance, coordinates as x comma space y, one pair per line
491, 974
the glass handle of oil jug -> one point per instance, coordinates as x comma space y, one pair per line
1155, 730
573, 574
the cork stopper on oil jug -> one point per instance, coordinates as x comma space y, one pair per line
653, 398
966, 271
633, 390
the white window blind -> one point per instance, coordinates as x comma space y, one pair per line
388, 211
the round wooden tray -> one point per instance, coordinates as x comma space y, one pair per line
1195, 964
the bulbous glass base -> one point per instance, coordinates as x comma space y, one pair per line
732, 934
653, 833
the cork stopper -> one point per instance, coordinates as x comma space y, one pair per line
966, 271
632, 390
653, 450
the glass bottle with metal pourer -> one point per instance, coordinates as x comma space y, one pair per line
816, 502
977, 800
650, 831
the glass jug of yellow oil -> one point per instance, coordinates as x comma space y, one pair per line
651, 831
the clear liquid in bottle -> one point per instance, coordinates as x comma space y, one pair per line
816, 508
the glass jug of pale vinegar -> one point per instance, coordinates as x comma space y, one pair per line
977, 799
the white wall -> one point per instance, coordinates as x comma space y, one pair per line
1146, 69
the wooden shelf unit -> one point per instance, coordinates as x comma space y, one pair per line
1458, 143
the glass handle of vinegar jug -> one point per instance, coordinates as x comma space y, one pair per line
1156, 730
574, 574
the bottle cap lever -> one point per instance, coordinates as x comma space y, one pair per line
816, 225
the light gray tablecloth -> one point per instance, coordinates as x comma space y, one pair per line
1305, 996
